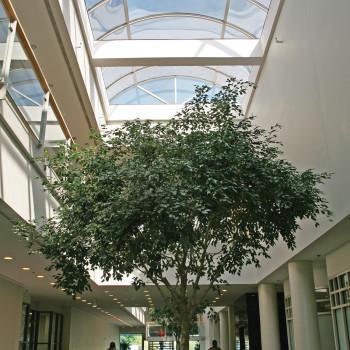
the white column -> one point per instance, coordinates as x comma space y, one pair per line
269, 324
217, 332
223, 330
231, 328
211, 331
302, 289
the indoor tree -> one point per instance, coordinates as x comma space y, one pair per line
165, 317
195, 198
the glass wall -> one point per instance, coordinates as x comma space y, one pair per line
25, 91
340, 304
40, 330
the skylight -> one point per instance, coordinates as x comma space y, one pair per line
138, 21
181, 19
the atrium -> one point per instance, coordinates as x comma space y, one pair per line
68, 66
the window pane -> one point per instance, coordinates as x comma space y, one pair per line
347, 315
176, 28
291, 334
106, 17
246, 15
232, 33
91, 3
135, 95
142, 8
164, 88
111, 74
340, 329
186, 88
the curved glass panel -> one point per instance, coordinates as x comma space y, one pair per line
106, 17
4, 23
164, 88
176, 28
134, 95
239, 72
112, 74
120, 34
123, 84
247, 16
91, 3
173, 84
24, 88
160, 72
26, 93
19, 75
186, 88
232, 33
142, 8
266, 3
3, 31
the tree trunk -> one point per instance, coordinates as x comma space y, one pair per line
185, 333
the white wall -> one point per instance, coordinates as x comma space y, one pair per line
79, 46
338, 260
11, 295
304, 86
19, 187
88, 332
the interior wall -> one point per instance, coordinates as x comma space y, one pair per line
338, 260
304, 86
11, 296
88, 332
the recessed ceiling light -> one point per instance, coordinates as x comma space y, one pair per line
121, 305
25, 268
119, 302
145, 291
84, 301
106, 291
224, 290
214, 301
98, 308
62, 289
78, 298
110, 295
94, 305
115, 298
39, 276
147, 295
89, 303
8, 257
217, 298
52, 283
149, 298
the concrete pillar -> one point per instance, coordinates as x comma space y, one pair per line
231, 328
302, 290
211, 331
269, 324
224, 330
217, 332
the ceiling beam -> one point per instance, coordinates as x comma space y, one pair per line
218, 52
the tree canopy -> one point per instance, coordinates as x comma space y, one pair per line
197, 197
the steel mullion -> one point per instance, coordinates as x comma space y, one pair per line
43, 122
152, 94
225, 19
5, 71
25, 96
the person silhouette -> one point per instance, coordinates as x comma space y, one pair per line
215, 346
112, 346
